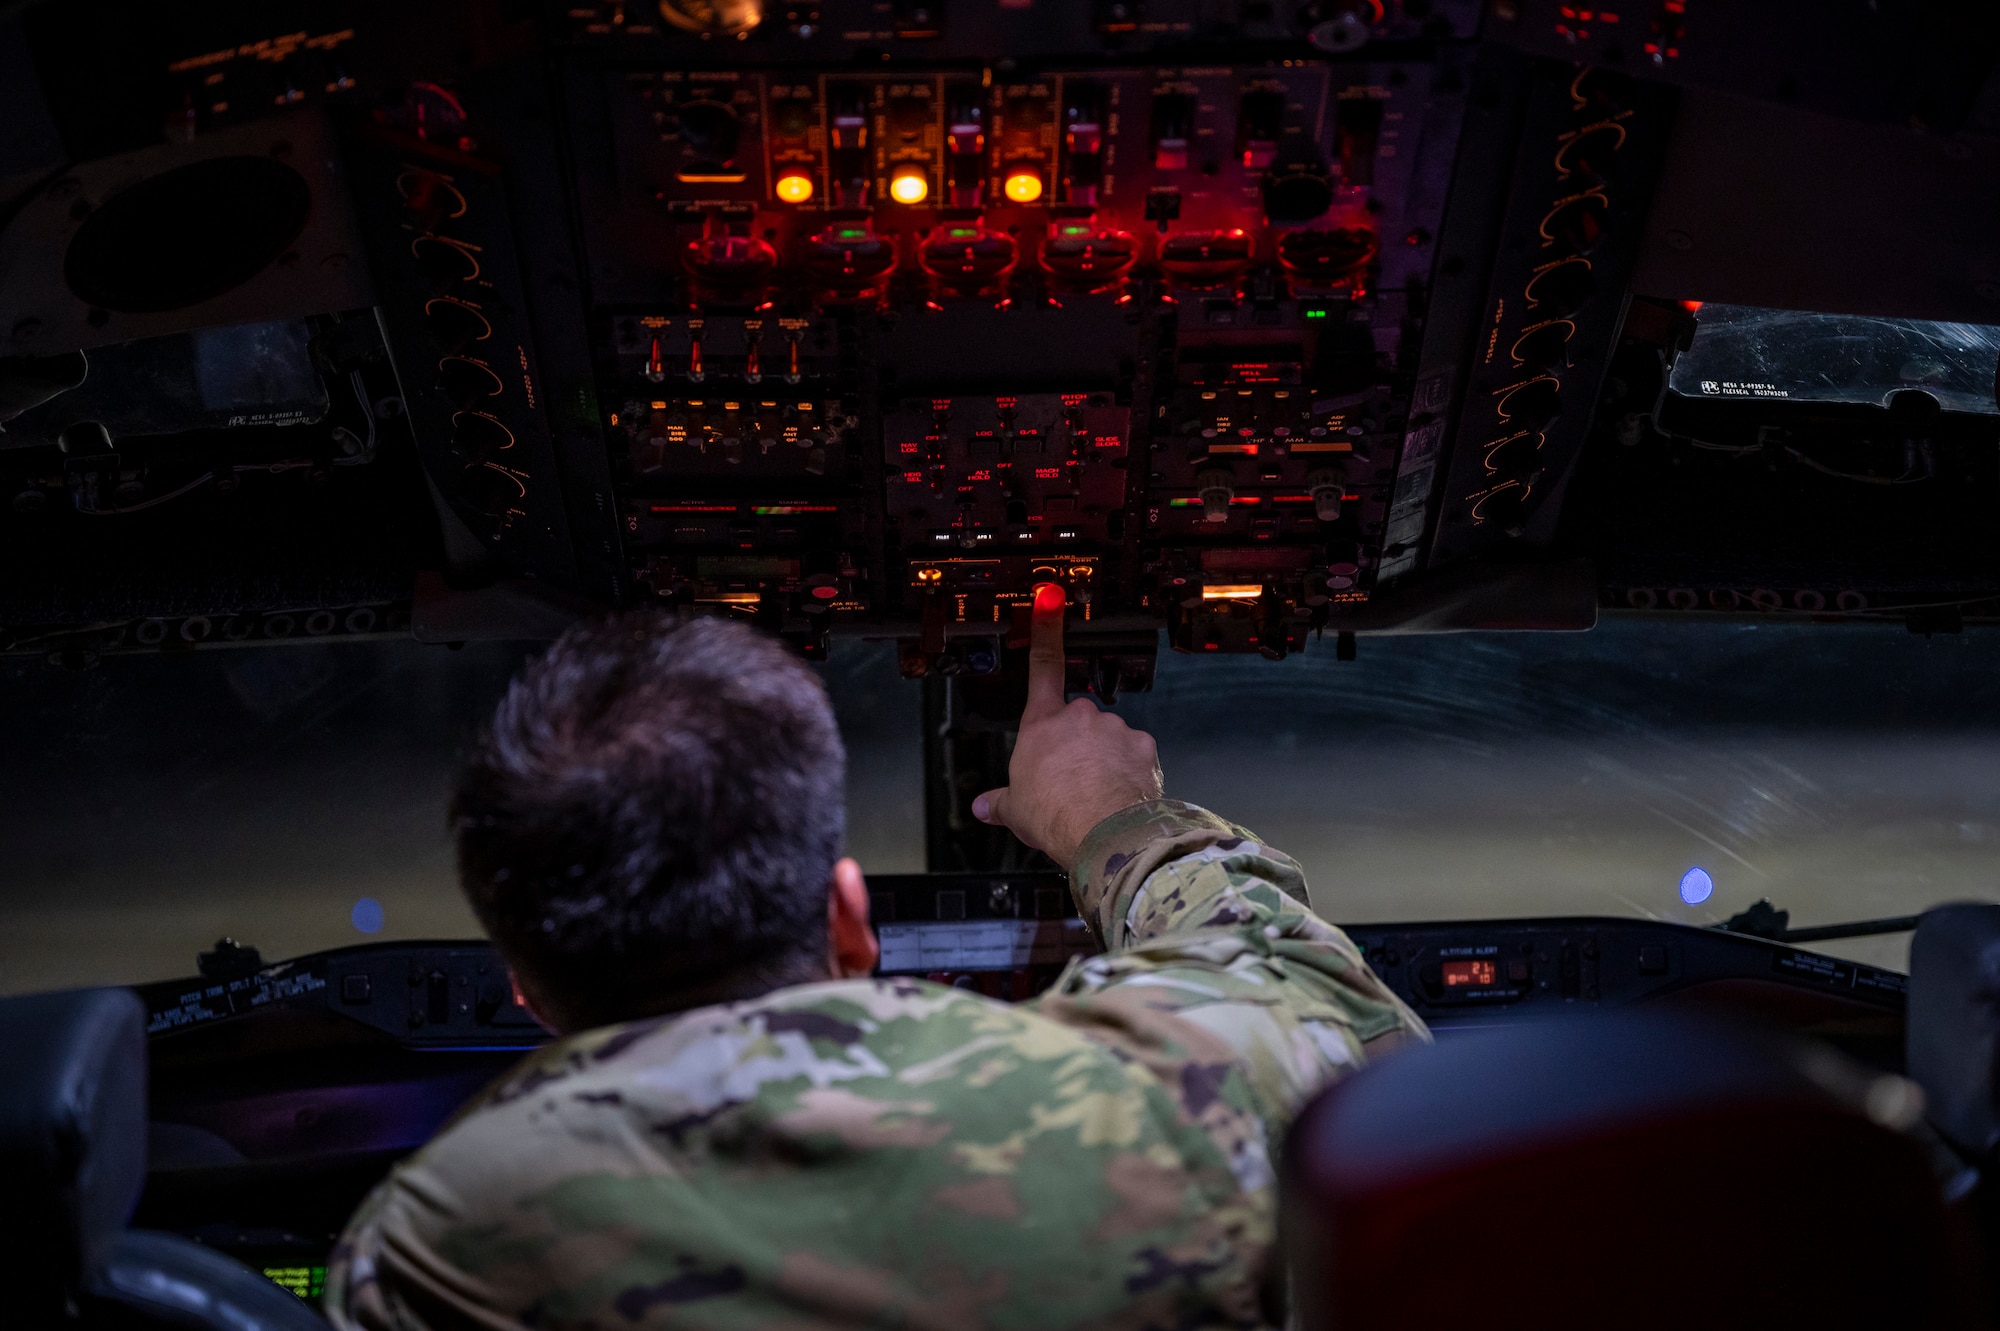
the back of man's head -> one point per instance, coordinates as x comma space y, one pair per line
653, 817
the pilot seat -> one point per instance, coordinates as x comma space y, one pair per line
73, 1154
1642, 1171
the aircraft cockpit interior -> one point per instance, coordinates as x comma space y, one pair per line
1525, 458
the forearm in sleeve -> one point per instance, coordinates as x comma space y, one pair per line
1216, 926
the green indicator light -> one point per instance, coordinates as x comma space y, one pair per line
851, 233
1315, 314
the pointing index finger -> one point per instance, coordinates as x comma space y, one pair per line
1046, 668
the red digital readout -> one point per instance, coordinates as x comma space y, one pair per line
1459, 974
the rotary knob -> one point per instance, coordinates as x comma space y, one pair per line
478, 438
491, 490
1561, 289
466, 383
1578, 222
1531, 405
444, 260
1323, 258
1545, 346
1298, 193
454, 325
1518, 455
711, 133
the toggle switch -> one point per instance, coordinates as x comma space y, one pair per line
1327, 490
1083, 141
965, 145
1218, 490
1173, 128
1260, 119
1357, 130
847, 145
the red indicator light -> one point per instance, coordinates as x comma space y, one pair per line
1470, 974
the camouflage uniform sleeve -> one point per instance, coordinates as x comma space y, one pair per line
1212, 925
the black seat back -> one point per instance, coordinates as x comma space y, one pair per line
1954, 1025
1636, 1171
72, 1138
72, 1162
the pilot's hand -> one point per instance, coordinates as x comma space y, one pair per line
1074, 765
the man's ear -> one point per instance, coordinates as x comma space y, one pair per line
527, 1002
850, 940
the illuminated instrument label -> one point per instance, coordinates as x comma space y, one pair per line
308, 1282
1472, 974
273, 985
980, 945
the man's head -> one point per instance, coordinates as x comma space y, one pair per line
654, 820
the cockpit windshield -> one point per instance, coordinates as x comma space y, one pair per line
294, 798
1797, 356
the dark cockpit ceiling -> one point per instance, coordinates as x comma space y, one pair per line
1248, 323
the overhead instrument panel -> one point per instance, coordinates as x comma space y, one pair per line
1244, 321
859, 317
891, 346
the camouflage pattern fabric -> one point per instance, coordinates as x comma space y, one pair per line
1216, 928
893, 1153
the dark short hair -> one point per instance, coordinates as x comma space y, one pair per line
656, 806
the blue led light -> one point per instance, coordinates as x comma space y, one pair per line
1696, 886
367, 915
